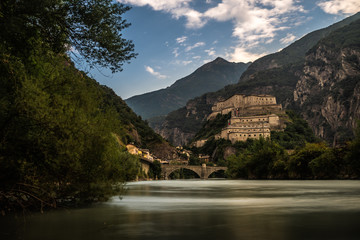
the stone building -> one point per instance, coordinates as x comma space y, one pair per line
242, 128
251, 117
242, 105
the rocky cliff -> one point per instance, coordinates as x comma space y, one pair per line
328, 91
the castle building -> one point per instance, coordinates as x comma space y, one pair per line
242, 105
255, 127
251, 117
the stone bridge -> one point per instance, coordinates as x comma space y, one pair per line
203, 171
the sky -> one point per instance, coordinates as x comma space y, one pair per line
175, 37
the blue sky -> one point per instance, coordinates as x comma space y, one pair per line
175, 37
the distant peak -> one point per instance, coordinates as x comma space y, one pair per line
219, 59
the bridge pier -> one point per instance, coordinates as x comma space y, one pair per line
203, 172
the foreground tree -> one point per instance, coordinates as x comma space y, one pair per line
92, 28
60, 138
261, 159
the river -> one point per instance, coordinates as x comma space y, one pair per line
205, 209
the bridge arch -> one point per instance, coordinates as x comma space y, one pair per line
215, 171
170, 169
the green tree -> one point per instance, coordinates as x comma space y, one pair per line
299, 162
155, 170
260, 159
352, 158
59, 138
325, 166
296, 133
237, 166
92, 27
263, 155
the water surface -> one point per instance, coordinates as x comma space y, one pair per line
211, 209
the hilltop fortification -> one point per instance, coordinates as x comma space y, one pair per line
252, 116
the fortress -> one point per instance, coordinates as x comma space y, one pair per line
251, 117
242, 105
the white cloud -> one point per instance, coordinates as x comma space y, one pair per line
287, 39
340, 6
240, 54
186, 62
259, 20
196, 45
176, 52
156, 74
211, 52
181, 39
177, 8
179, 62
254, 22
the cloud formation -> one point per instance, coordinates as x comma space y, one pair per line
156, 74
255, 22
196, 45
340, 6
240, 54
181, 39
287, 39
211, 52
177, 8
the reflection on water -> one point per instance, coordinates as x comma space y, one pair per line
213, 209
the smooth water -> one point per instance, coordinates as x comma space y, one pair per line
206, 209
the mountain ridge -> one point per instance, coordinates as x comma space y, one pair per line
209, 77
296, 51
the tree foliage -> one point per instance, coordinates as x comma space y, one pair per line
261, 159
92, 28
62, 135
296, 133
59, 142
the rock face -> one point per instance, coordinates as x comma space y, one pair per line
328, 91
181, 125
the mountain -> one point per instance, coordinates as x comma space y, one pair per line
328, 91
294, 53
319, 81
209, 77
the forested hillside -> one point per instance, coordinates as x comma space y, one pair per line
62, 135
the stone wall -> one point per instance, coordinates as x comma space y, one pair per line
242, 101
